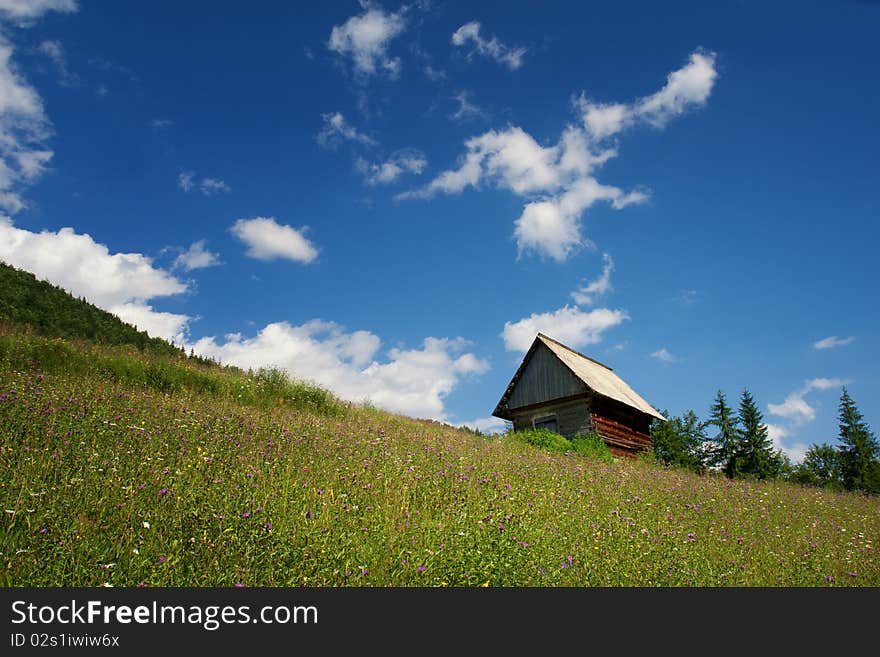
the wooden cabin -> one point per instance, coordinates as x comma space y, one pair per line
560, 389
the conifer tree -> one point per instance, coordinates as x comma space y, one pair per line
722, 417
755, 455
859, 449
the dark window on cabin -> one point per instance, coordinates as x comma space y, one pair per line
548, 423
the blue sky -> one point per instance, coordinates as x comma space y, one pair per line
392, 199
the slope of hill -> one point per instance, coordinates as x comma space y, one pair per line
114, 477
128, 467
50, 310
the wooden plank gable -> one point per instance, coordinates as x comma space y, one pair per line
543, 378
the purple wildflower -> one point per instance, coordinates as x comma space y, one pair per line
163, 491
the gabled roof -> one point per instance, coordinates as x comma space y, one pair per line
595, 375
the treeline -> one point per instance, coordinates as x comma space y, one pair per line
737, 443
51, 311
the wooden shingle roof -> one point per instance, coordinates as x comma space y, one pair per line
597, 376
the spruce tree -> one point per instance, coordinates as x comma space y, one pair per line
859, 449
755, 455
722, 417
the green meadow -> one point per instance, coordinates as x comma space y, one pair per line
123, 468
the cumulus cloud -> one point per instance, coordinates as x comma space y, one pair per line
571, 326
121, 283
795, 408
27, 10
486, 425
777, 434
469, 34
188, 181
410, 381
552, 227
586, 294
365, 38
196, 257
685, 88
558, 180
664, 356
336, 129
266, 239
24, 131
832, 341
170, 326
402, 162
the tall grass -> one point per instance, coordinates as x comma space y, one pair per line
124, 470
127, 365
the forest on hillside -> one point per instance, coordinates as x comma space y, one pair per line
736, 442
51, 311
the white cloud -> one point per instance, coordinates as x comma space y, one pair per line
571, 326
486, 425
466, 109
187, 181
689, 86
121, 283
552, 227
795, 408
410, 381
823, 383
664, 356
777, 434
557, 180
26, 10
366, 37
55, 51
586, 295
24, 130
196, 257
404, 161
798, 412
469, 33
268, 240
169, 326
158, 124
832, 342
434, 73
213, 186
603, 120
336, 129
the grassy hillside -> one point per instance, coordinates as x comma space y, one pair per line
48, 310
124, 468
